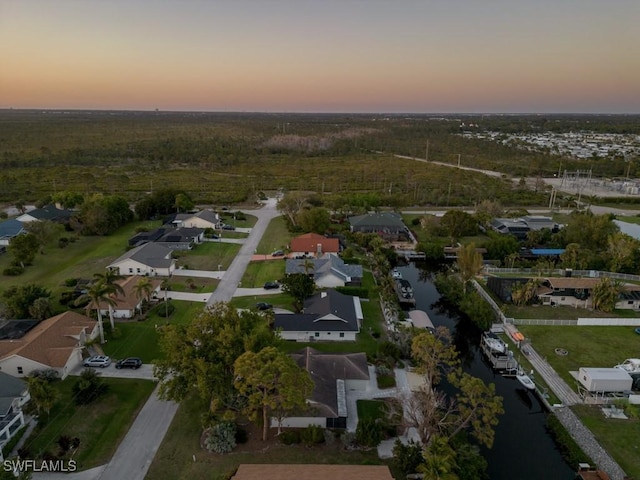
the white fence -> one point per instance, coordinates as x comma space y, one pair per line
562, 272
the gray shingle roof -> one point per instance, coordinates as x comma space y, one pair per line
151, 254
328, 311
328, 263
10, 228
50, 212
385, 219
10, 388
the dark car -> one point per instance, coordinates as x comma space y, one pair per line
271, 285
228, 227
263, 306
278, 253
131, 362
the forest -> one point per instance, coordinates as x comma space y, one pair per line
226, 158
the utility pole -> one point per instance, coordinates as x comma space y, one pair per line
426, 156
458, 160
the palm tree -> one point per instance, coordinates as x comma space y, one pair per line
606, 294
109, 279
440, 460
98, 293
308, 265
143, 289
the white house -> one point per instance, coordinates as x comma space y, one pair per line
128, 303
13, 395
329, 271
150, 259
9, 229
53, 344
333, 375
201, 219
327, 316
48, 212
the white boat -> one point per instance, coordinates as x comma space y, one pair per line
494, 343
525, 379
396, 274
630, 365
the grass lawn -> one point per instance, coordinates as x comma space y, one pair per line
621, 438
80, 259
276, 237
371, 409
140, 339
278, 300
259, 272
100, 425
208, 256
587, 346
561, 312
175, 456
193, 285
250, 220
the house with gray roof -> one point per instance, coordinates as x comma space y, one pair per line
13, 395
182, 238
328, 271
10, 229
48, 212
201, 219
326, 316
385, 224
150, 259
332, 375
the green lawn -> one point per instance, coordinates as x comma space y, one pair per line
621, 438
262, 271
561, 312
100, 425
175, 456
278, 300
193, 284
250, 221
140, 339
80, 259
276, 237
208, 256
371, 409
627, 219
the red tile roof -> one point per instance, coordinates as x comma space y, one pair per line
309, 243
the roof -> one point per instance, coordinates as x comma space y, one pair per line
325, 370
329, 263
581, 282
150, 254
420, 319
327, 311
50, 212
10, 228
13, 329
52, 341
129, 300
10, 388
312, 472
206, 215
309, 243
385, 219
547, 251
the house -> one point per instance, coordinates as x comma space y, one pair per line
538, 223
333, 374
55, 343
49, 212
13, 395
327, 315
150, 259
129, 303
201, 219
182, 238
387, 224
312, 472
9, 229
328, 271
510, 226
314, 245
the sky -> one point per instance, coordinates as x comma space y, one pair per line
413, 56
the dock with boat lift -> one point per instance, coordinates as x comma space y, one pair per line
500, 360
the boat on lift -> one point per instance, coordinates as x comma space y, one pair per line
630, 365
525, 380
494, 342
395, 273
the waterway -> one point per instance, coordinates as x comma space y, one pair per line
522, 449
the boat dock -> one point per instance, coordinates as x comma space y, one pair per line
502, 361
404, 290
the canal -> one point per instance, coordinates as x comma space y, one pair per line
522, 449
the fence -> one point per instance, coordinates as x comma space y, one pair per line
563, 272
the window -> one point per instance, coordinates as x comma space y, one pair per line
317, 334
130, 270
341, 334
19, 370
138, 270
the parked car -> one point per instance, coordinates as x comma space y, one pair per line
278, 253
263, 306
101, 361
271, 285
131, 362
228, 227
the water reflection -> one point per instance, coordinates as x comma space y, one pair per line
522, 449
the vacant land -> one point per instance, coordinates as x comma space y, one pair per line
276, 237
208, 256
100, 426
262, 271
140, 339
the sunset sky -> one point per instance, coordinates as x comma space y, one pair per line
418, 56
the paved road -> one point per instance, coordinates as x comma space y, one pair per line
232, 277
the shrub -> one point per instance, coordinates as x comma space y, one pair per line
221, 438
63, 242
49, 374
369, 432
88, 387
164, 309
66, 297
406, 458
312, 435
70, 282
354, 291
13, 271
289, 437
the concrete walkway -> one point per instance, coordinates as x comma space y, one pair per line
181, 272
188, 296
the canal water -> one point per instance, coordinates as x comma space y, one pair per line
522, 449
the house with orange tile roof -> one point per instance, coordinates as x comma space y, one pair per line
312, 472
314, 245
53, 344
128, 303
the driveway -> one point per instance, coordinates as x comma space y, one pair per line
191, 297
145, 372
182, 272
247, 292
